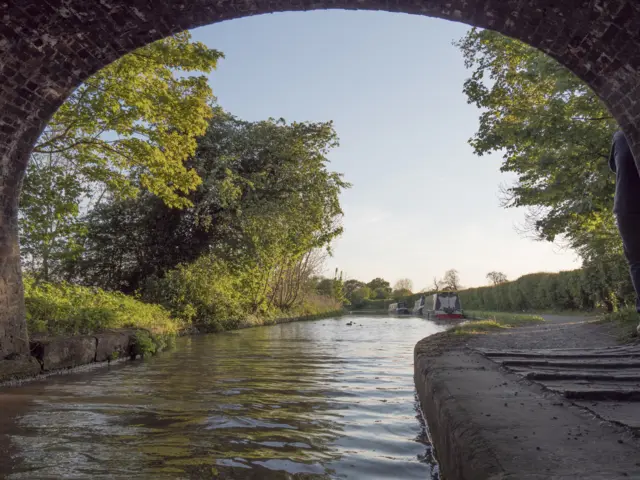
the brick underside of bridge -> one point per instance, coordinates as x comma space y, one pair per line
48, 47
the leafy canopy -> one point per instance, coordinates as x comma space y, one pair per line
134, 123
266, 199
553, 132
129, 127
555, 136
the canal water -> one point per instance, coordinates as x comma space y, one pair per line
304, 400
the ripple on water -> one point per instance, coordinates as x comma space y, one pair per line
314, 400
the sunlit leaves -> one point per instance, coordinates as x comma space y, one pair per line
134, 123
553, 132
130, 127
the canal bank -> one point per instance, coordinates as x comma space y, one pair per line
54, 354
545, 402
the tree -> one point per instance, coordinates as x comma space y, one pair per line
437, 284
554, 134
359, 295
332, 287
451, 280
49, 208
401, 292
131, 126
380, 286
378, 283
325, 287
134, 123
267, 198
351, 286
496, 278
380, 293
292, 279
404, 284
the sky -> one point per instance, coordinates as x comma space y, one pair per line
421, 202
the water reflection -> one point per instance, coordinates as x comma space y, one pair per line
308, 400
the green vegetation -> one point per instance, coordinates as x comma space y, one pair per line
65, 309
146, 205
627, 321
144, 344
491, 321
378, 294
504, 318
130, 127
555, 136
580, 290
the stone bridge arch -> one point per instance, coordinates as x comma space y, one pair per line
48, 47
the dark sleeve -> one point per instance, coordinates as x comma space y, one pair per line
612, 157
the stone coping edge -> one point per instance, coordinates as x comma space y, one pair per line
460, 448
56, 354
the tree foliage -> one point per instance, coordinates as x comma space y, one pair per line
451, 280
403, 284
134, 123
141, 184
380, 287
130, 127
496, 278
352, 285
49, 210
554, 134
267, 198
359, 295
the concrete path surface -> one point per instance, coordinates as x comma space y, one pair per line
499, 410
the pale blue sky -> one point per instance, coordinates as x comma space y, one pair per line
421, 202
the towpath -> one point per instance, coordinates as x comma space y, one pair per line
553, 401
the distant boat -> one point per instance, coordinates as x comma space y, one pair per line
399, 308
441, 305
418, 306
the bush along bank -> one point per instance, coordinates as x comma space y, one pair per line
72, 325
585, 289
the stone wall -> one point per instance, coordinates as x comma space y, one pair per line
59, 353
48, 47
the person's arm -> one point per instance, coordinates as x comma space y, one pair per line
612, 156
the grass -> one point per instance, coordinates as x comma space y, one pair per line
486, 322
570, 313
626, 320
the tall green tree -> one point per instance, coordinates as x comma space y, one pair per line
555, 136
128, 128
352, 285
553, 132
380, 287
49, 210
133, 124
267, 198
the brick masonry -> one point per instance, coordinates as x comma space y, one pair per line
48, 47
